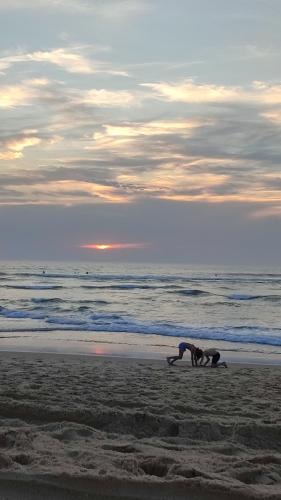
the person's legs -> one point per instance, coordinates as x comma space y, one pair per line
172, 359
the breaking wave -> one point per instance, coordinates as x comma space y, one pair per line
101, 322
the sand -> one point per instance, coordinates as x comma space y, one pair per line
86, 427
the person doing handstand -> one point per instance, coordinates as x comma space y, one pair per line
183, 346
215, 355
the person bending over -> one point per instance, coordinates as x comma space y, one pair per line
183, 346
215, 355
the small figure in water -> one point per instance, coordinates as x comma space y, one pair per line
183, 346
215, 355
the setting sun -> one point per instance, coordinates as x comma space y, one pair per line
113, 246
103, 247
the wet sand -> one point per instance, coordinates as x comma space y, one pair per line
88, 427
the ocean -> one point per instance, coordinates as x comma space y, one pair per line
140, 309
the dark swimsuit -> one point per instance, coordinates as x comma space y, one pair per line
183, 346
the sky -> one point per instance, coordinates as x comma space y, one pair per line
152, 126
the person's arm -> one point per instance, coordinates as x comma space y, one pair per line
193, 359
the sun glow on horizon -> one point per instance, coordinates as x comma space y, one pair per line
103, 247
112, 246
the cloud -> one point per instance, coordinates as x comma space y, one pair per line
32, 187
68, 186
266, 92
24, 142
70, 59
65, 99
128, 138
157, 127
190, 91
217, 155
173, 182
267, 212
274, 116
22, 94
37, 4
107, 98
122, 9
107, 9
15, 95
17, 4
10, 155
169, 174
75, 192
12, 146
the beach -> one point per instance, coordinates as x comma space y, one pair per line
93, 427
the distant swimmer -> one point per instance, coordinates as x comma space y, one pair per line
215, 355
184, 346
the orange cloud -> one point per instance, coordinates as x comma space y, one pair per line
273, 116
244, 196
13, 147
25, 142
69, 192
9, 155
267, 212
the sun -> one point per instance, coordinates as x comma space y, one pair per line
113, 246
103, 247
99, 246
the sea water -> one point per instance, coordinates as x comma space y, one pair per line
139, 309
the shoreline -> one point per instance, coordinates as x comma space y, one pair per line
130, 345
185, 362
